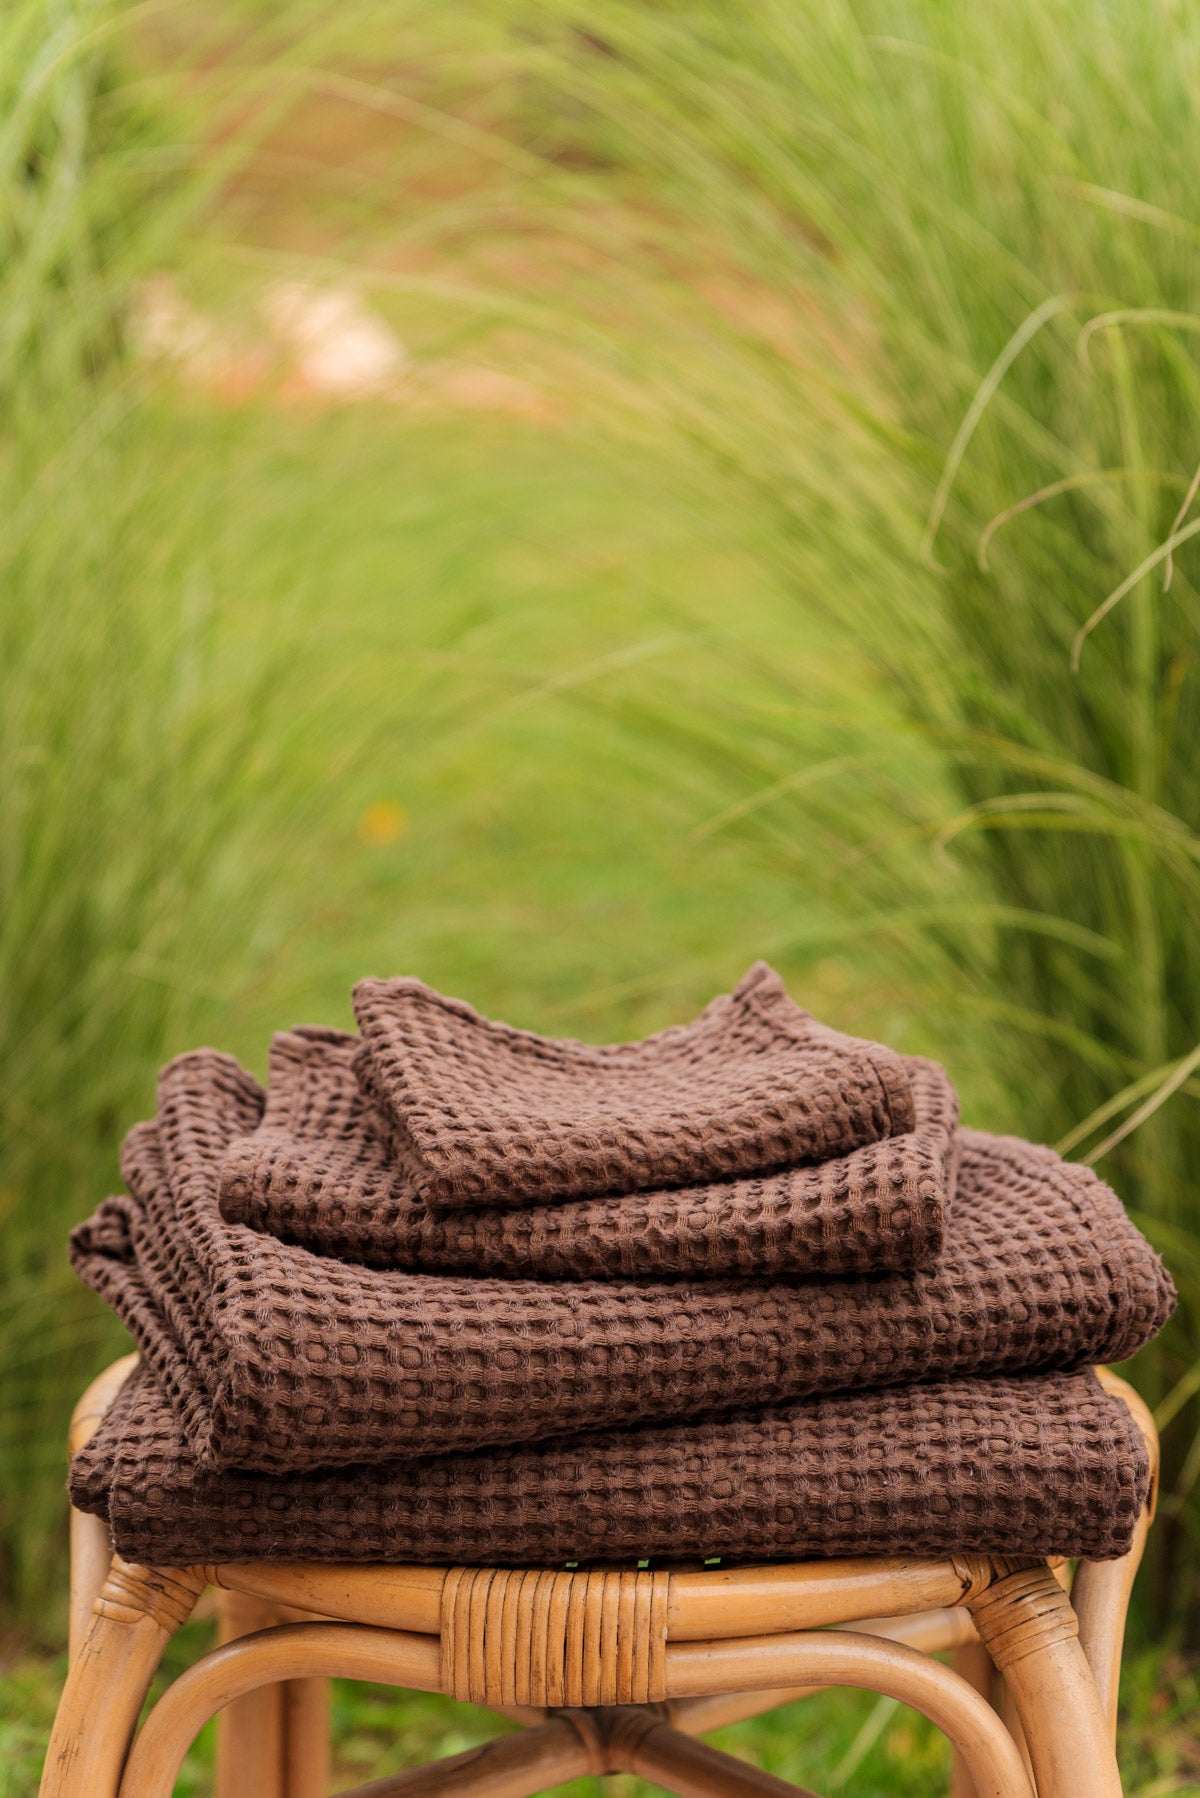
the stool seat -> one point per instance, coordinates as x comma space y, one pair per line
610, 1669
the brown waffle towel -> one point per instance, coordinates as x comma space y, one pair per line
278, 1359
320, 1171
1047, 1464
482, 1114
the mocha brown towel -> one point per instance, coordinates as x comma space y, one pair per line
482, 1114
278, 1359
320, 1172
1048, 1464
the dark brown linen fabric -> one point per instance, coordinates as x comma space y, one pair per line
1046, 1464
320, 1172
277, 1359
482, 1114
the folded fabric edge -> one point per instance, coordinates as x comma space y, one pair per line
1099, 1528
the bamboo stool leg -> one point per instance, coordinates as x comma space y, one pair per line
307, 1750
91, 1549
1103, 1588
1031, 1632
1006, 1704
250, 1731
134, 1616
973, 1663
90, 1557
1101, 1599
274, 1742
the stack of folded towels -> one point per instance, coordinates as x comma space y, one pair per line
454, 1292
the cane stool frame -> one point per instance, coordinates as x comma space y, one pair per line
609, 1671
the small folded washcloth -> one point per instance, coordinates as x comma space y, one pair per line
1047, 1464
482, 1114
320, 1172
278, 1359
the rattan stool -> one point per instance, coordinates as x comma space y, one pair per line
610, 1671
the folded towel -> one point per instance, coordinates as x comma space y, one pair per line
320, 1172
277, 1359
482, 1114
1048, 1464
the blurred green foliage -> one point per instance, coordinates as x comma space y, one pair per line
866, 339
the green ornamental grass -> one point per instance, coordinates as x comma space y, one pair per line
845, 612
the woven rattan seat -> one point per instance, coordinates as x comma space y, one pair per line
610, 1670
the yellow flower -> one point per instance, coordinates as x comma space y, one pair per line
382, 822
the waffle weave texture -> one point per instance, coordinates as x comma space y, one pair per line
277, 1359
320, 1172
482, 1114
1047, 1464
